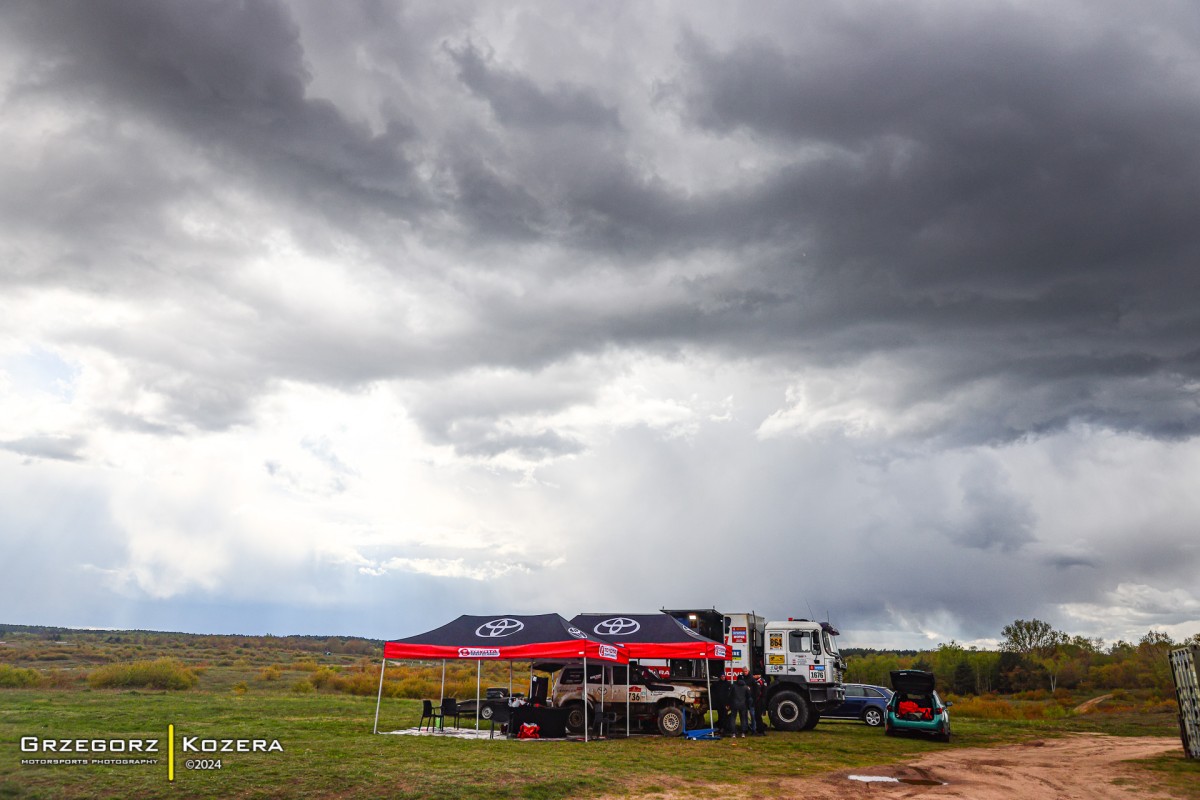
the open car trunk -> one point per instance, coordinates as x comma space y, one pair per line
913, 681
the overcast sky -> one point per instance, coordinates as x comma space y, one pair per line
352, 317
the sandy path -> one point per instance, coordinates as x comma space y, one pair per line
1074, 767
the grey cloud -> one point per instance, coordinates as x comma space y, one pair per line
517, 100
532, 447
231, 79
59, 448
993, 518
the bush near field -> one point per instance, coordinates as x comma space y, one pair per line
162, 673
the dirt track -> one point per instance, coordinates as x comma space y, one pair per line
1078, 766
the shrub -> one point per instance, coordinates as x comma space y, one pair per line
18, 677
162, 673
240, 688
63, 678
271, 673
322, 677
303, 687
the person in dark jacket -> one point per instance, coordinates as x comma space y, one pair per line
720, 703
759, 688
740, 702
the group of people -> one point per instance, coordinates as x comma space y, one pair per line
741, 705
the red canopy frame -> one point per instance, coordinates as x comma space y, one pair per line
501, 638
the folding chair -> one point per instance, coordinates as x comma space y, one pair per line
449, 709
428, 712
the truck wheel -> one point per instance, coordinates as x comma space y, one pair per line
575, 717
789, 711
670, 721
873, 717
812, 722
486, 712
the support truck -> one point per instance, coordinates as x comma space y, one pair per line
798, 658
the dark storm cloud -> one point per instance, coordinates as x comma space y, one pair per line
1015, 199
228, 77
517, 100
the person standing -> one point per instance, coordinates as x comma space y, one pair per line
720, 703
740, 703
760, 705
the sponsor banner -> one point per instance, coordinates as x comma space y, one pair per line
479, 652
609, 652
719, 650
738, 635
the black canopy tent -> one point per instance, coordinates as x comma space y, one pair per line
514, 637
656, 635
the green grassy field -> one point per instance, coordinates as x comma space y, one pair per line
263, 688
329, 751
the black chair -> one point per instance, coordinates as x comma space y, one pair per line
428, 712
449, 709
603, 722
539, 690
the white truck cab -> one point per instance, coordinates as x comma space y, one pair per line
798, 658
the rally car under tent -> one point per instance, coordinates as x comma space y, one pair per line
654, 636
514, 637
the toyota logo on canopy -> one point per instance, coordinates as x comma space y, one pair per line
505, 626
617, 626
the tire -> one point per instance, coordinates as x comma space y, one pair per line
670, 721
944, 735
888, 730
813, 719
789, 711
486, 712
575, 717
872, 716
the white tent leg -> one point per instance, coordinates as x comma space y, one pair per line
628, 671
478, 683
708, 683
379, 699
585, 700
443, 695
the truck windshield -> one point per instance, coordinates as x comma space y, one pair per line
830, 644
803, 642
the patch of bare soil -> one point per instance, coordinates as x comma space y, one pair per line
1084, 708
1076, 767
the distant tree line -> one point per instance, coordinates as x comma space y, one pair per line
1032, 656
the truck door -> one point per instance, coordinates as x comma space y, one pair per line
802, 648
776, 654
